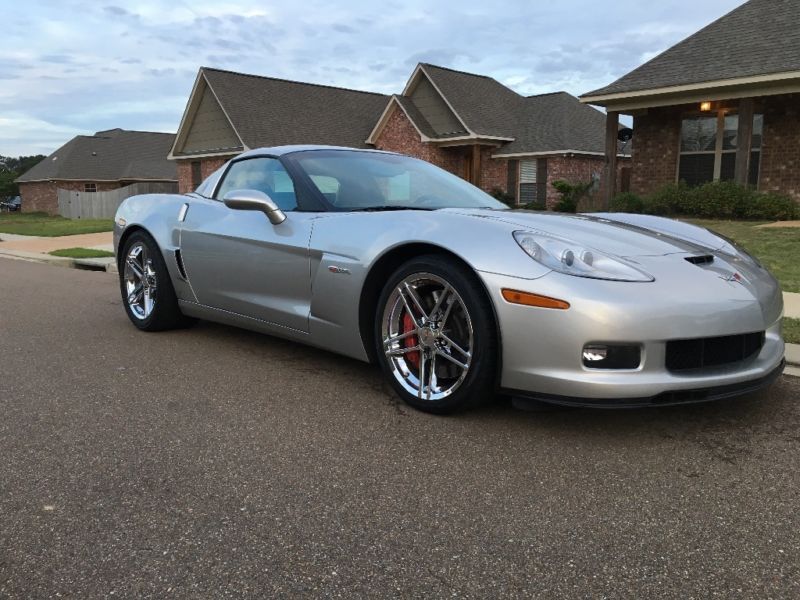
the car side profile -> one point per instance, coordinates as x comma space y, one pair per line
389, 259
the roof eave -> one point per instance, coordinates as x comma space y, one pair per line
758, 85
554, 153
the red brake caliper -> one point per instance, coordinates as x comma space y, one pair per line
410, 341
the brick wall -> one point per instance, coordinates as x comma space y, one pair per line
207, 167
780, 148
42, 196
656, 142
580, 169
39, 196
494, 171
399, 135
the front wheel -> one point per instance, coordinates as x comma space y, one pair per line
146, 288
435, 335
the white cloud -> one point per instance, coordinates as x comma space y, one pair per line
80, 66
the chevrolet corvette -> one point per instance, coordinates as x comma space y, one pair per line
389, 259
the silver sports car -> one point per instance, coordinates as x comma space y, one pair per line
386, 258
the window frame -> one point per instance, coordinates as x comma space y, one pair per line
306, 201
86, 187
719, 143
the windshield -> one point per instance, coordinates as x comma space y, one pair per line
353, 180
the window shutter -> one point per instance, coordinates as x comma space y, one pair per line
511, 183
541, 181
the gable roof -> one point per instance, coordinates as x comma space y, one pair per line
548, 123
760, 37
484, 105
263, 111
111, 155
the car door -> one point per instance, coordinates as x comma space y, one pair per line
237, 261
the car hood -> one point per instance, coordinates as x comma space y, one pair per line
606, 234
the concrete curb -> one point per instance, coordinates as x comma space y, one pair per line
92, 264
793, 355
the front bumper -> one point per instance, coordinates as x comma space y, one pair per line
542, 348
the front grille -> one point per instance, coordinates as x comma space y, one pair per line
712, 352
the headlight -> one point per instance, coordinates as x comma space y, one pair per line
571, 258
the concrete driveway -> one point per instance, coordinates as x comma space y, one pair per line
213, 462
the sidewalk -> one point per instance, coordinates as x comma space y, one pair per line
43, 245
791, 305
32, 248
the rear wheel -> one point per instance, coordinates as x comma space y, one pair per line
146, 288
435, 335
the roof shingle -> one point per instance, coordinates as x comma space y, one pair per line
111, 155
264, 111
760, 37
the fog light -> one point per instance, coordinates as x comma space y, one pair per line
612, 356
595, 353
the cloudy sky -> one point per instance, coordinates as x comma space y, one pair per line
71, 67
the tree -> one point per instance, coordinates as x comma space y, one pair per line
11, 168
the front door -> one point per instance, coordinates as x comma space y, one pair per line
238, 261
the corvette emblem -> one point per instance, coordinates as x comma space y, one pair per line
732, 277
336, 269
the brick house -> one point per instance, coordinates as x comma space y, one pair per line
468, 124
104, 161
723, 104
229, 113
476, 127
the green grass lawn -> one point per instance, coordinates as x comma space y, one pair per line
82, 253
791, 330
778, 248
45, 225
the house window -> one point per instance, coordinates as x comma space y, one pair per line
708, 148
197, 174
89, 187
527, 181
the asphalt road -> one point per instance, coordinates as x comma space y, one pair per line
214, 462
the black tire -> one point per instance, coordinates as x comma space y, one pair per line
476, 384
165, 312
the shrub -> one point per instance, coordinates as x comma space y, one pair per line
627, 202
571, 194
718, 199
714, 200
668, 200
772, 207
535, 205
503, 197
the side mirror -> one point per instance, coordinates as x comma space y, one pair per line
254, 200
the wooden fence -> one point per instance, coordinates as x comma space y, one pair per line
103, 205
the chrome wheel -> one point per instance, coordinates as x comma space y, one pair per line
140, 281
427, 336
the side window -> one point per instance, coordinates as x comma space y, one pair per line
328, 187
263, 174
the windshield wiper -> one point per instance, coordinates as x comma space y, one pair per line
380, 208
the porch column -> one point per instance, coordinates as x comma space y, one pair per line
476, 165
744, 139
610, 175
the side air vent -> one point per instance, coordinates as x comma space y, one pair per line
179, 262
703, 259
